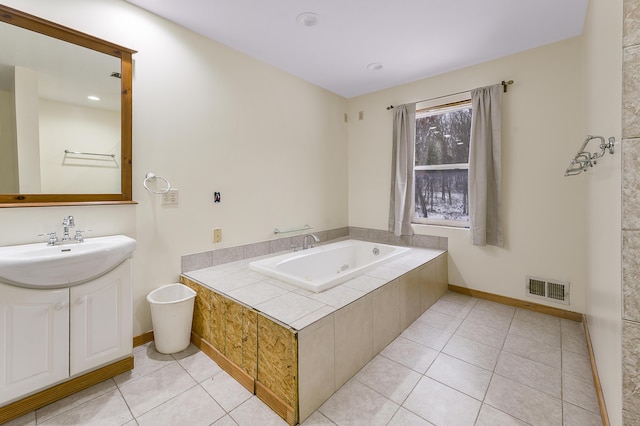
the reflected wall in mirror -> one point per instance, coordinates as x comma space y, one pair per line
65, 115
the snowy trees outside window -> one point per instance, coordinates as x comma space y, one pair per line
441, 165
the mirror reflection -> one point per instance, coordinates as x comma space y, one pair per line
60, 112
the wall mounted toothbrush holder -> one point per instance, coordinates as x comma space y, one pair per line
584, 159
153, 177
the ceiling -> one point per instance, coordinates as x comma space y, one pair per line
411, 39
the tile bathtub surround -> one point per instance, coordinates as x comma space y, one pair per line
195, 261
366, 314
408, 383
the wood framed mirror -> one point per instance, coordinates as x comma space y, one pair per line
93, 167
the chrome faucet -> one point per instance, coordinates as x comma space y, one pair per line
67, 222
305, 244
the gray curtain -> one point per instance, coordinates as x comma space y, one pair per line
404, 135
484, 167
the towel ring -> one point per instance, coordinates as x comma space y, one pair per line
152, 176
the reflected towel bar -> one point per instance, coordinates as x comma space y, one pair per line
66, 151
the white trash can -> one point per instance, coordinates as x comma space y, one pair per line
171, 315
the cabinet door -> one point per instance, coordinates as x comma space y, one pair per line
101, 320
34, 336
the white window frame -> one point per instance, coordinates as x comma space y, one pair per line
442, 106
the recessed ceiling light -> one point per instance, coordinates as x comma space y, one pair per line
307, 19
93, 98
375, 66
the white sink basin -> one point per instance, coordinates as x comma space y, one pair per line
41, 266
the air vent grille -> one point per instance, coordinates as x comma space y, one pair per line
551, 290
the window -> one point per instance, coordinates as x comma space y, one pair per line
442, 165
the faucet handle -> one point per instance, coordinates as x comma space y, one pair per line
53, 238
79, 237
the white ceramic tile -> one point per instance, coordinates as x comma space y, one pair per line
495, 308
441, 404
460, 299
384, 273
489, 318
74, 400
199, 366
388, 378
535, 332
530, 373
386, 315
571, 327
490, 416
481, 333
550, 323
256, 293
410, 303
577, 364
535, 351
410, 354
356, 404
579, 392
313, 317
365, 283
450, 308
195, 407
105, 410
254, 412
460, 375
338, 296
440, 321
28, 419
354, 338
155, 388
289, 307
316, 365
576, 416
225, 421
317, 419
573, 337
226, 390
146, 359
404, 417
523, 402
427, 336
475, 353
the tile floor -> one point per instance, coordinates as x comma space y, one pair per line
465, 361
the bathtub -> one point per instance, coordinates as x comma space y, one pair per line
324, 267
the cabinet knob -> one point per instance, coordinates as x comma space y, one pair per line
60, 306
81, 300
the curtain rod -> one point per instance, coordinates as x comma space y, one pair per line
504, 85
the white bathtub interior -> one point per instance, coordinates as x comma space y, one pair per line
321, 268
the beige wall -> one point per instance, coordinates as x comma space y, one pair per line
208, 119
603, 89
543, 211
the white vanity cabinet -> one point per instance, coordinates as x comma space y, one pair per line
34, 336
101, 320
47, 336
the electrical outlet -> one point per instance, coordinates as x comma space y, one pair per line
170, 198
217, 235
